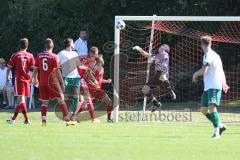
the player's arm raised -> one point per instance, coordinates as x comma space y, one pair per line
141, 51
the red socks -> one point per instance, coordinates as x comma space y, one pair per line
91, 110
64, 109
21, 107
17, 110
109, 112
44, 113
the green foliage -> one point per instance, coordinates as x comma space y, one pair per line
58, 19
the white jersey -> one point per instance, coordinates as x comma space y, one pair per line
213, 77
68, 60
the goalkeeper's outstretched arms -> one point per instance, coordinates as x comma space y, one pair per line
141, 51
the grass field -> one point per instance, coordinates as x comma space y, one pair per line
121, 141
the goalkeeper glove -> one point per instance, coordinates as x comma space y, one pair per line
137, 48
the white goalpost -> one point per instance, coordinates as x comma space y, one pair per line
148, 65
180, 29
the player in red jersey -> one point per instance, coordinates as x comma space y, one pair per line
22, 61
85, 98
51, 85
94, 88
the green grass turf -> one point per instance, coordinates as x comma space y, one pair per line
122, 141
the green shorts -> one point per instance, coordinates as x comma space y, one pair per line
211, 97
72, 86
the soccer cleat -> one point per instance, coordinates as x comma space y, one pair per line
222, 129
78, 121
173, 95
216, 136
27, 122
10, 121
95, 120
109, 121
70, 123
156, 104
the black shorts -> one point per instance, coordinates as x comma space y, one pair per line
154, 80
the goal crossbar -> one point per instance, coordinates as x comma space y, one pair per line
178, 18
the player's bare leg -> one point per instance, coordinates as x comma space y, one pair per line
20, 106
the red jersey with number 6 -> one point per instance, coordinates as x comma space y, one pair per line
22, 62
46, 62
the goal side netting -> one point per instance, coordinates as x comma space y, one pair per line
185, 57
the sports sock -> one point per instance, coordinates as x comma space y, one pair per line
17, 110
80, 110
209, 117
64, 109
91, 110
23, 107
75, 104
221, 125
215, 119
44, 113
79, 106
109, 112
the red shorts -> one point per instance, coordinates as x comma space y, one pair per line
96, 93
21, 87
47, 93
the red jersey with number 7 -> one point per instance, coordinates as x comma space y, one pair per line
22, 62
46, 62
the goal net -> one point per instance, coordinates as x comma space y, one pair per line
185, 57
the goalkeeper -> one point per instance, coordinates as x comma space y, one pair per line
160, 78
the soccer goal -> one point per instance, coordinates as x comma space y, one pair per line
182, 34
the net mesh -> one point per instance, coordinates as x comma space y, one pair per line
185, 58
